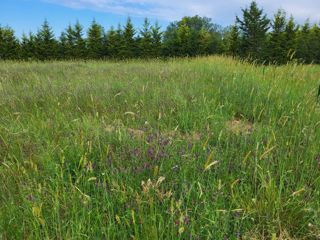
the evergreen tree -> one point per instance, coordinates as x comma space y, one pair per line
170, 40
128, 48
9, 44
290, 39
75, 46
113, 41
303, 51
24, 53
233, 41
95, 41
314, 43
63, 46
70, 43
145, 43
46, 44
79, 46
156, 40
105, 54
28, 47
191, 36
253, 28
277, 51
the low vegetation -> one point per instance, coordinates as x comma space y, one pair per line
205, 148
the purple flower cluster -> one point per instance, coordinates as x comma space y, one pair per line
148, 158
157, 149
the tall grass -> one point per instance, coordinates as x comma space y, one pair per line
206, 148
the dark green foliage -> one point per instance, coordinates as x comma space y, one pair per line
95, 41
46, 44
308, 43
145, 43
70, 48
277, 43
232, 42
253, 37
63, 46
28, 47
253, 26
9, 45
79, 44
314, 44
290, 39
128, 47
303, 51
170, 41
156, 40
74, 45
113, 42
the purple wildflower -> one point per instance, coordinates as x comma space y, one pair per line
30, 198
151, 153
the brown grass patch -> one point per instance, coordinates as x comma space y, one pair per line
284, 235
240, 127
136, 133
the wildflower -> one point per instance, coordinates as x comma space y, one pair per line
151, 153
186, 220
30, 198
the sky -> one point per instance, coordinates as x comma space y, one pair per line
28, 15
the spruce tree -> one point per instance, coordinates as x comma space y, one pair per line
253, 26
79, 45
24, 53
28, 47
75, 44
290, 39
105, 54
314, 43
303, 51
128, 48
9, 44
95, 41
277, 52
63, 46
156, 40
145, 43
112, 43
70, 43
233, 41
46, 44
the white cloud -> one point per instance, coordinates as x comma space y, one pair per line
221, 11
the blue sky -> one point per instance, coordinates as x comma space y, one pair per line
27, 15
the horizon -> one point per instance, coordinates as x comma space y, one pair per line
25, 16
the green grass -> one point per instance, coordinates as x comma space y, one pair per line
232, 150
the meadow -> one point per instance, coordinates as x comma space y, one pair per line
201, 148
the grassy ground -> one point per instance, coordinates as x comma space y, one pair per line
206, 148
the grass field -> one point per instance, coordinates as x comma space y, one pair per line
207, 148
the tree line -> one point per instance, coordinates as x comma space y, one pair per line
253, 36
